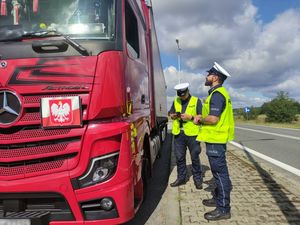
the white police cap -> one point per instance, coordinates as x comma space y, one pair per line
181, 87
217, 69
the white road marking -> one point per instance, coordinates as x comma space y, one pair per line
269, 159
284, 128
270, 133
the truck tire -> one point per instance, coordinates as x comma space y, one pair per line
163, 133
145, 176
162, 136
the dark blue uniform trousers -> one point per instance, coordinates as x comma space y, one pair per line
181, 142
219, 169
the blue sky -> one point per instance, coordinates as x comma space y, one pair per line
268, 9
257, 41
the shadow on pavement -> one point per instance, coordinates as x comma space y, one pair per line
255, 139
189, 170
211, 185
287, 208
157, 184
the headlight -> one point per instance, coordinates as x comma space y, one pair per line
101, 169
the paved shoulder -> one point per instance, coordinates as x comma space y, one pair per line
258, 196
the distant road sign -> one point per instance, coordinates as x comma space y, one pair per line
246, 109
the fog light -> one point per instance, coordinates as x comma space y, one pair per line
106, 204
99, 209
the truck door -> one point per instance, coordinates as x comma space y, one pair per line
136, 76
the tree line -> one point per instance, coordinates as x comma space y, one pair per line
281, 109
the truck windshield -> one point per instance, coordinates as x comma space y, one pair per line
80, 19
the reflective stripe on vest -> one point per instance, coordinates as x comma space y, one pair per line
223, 131
189, 128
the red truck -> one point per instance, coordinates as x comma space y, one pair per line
82, 110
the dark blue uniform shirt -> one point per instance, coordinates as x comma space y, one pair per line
217, 102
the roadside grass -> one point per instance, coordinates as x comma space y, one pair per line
260, 120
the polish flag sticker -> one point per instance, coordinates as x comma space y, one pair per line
61, 112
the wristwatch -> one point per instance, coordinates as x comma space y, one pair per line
202, 121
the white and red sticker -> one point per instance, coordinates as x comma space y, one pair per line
61, 111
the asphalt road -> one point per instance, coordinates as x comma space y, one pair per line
282, 144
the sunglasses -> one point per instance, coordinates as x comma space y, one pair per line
210, 74
181, 93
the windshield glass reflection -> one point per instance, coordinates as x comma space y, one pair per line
77, 18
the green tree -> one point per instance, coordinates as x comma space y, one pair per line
281, 109
264, 108
238, 113
297, 105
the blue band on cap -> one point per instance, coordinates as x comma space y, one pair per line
214, 71
218, 73
181, 93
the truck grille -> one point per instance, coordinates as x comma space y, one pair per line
33, 99
27, 150
33, 133
13, 171
30, 117
22, 151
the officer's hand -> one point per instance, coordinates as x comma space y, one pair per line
173, 116
185, 116
197, 119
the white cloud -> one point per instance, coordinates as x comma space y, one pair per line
274, 56
207, 30
198, 89
195, 80
243, 97
262, 58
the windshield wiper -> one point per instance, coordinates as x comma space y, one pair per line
11, 33
74, 44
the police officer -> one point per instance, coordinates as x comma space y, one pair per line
183, 110
217, 129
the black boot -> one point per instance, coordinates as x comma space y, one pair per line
178, 183
198, 185
217, 215
209, 202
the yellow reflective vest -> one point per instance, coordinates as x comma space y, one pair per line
189, 128
223, 131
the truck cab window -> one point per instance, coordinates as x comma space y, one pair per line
132, 34
82, 19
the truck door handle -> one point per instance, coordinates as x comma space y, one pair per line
143, 99
49, 46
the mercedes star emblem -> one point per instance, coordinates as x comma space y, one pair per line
3, 64
10, 107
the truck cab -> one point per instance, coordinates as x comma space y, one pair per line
82, 109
